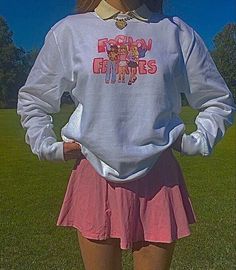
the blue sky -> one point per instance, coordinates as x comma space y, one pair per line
31, 20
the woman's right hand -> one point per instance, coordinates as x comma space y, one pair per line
71, 150
177, 144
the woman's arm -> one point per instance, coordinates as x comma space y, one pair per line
207, 92
40, 97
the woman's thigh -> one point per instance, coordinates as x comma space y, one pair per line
100, 254
152, 256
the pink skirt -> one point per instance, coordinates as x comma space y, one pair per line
154, 208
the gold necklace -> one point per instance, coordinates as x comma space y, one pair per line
121, 23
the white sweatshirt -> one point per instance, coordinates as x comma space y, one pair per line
126, 85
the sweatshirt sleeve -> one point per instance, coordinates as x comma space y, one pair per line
207, 92
40, 97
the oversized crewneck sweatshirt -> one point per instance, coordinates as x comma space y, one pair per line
126, 85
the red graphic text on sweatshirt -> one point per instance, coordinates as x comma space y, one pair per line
124, 59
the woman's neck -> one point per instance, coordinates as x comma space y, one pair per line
124, 6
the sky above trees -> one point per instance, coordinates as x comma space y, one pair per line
31, 20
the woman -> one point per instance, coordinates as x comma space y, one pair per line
133, 57
126, 189
122, 64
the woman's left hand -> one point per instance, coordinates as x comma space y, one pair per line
71, 150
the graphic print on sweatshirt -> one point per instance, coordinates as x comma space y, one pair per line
124, 59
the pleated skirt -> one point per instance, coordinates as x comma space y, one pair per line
154, 208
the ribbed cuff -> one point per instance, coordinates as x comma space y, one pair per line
195, 144
52, 151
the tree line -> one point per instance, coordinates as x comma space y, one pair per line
16, 63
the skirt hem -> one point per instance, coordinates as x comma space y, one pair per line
123, 246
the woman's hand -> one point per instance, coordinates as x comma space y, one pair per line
71, 150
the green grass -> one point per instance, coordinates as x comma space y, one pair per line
32, 194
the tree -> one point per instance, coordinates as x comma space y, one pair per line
224, 55
9, 60
15, 64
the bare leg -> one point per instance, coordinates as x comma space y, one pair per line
130, 75
123, 74
120, 73
152, 256
100, 254
134, 72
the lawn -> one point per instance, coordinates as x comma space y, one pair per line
32, 194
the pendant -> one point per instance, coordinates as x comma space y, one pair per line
121, 24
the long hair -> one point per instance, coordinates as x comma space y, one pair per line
83, 6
